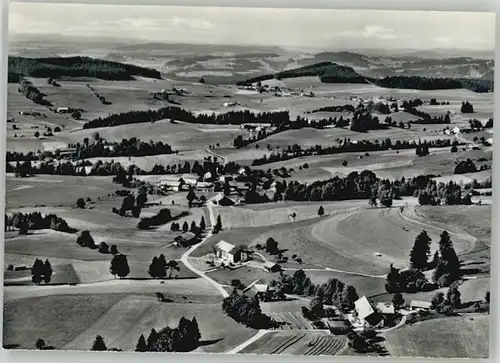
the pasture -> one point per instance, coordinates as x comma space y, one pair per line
72, 321
453, 337
254, 215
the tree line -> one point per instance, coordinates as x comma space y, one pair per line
177, 113
57, 67
296, 151
32, 93
366, 185
126, 147
35, 220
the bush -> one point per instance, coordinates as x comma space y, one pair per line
454, 149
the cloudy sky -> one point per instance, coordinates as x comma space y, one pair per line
320, 28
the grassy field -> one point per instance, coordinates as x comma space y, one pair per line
55, 190
390, 164
455, 337
474, 220
277, 213
72, 322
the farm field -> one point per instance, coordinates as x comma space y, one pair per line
120, 318
296, 344
454, 337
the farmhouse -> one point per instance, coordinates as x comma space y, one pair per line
365, 313
385, 308
197, 203
186, 239
222, 200
420, 305
271, 266
228, 252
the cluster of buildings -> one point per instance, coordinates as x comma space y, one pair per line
366, 314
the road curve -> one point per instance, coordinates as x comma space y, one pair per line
185, 256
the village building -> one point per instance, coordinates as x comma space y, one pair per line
186, 239
169, 184
420, 305
229, 253
204, 186
223, 200
197, 203
385, 308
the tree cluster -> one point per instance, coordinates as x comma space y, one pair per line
446, 304
159, 267
465, 166
183, 338
32, 93
409, 280
41, 271
162, 217
119, 266
246, 310
333, 292
467, 107
447, 265
85, 239
36, 220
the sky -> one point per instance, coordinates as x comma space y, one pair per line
319, 28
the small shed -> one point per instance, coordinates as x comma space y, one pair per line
420, 305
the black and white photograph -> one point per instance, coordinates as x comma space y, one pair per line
265, 181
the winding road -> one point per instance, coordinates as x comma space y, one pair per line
185, 256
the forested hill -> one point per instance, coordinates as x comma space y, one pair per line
328, 72
76, 67
424, 83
